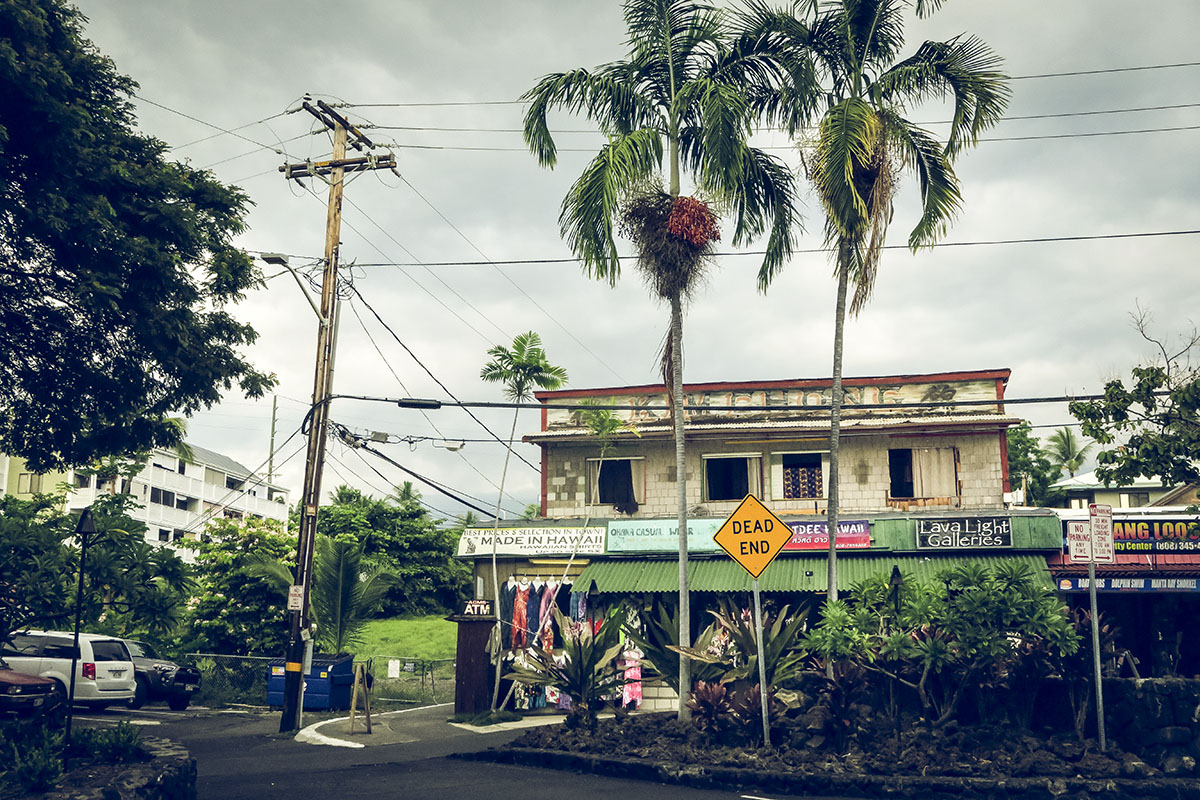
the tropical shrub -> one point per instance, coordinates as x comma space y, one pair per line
657, 636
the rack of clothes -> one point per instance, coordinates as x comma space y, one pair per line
527, 620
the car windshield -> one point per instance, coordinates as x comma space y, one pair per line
109, 650
140, 649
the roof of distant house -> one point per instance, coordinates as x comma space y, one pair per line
1088, 480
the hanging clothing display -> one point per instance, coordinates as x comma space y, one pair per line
508, 593
520, 617
548, 625
631, 695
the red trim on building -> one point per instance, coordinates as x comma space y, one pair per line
545, 418
1004, 460
545, 469
999, 375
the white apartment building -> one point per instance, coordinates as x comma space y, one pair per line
178, 497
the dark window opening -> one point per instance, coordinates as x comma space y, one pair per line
181, 503
181, 466
233, 483
727, 478
162, 496
900, 470
615, 486
164, 535
178, 534
1135, 499
83, 481
802, 476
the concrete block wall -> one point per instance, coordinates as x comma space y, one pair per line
657, 696
865, 480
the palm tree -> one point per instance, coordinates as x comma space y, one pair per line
864, 142
1065, 452
679, 91
520, 370
344, 589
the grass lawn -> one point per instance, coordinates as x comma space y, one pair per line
427, 638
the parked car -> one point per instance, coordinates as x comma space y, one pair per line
104, 673
159, 678
27, 695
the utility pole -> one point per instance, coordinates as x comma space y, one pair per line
318, 416
271, 452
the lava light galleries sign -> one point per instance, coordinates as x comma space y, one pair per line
853, 534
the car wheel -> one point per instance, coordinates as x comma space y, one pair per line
140, 694
178, 702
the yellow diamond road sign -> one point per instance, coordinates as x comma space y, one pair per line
753, 536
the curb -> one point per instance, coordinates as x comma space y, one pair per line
310, 734
826, 784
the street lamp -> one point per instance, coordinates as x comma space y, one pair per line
84, 529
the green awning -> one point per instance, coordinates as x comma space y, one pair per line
785, 574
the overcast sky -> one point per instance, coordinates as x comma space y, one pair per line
1056, 314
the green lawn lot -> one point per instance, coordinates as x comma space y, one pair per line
424, 648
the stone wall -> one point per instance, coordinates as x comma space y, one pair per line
1157, 718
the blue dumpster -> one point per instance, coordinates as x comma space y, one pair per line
327, 686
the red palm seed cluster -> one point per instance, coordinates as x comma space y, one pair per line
693, 221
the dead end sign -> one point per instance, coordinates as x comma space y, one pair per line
753, 536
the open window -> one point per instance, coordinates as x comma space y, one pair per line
799, 476
618, 482
732, 477
923, 472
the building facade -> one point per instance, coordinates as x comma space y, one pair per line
178, 496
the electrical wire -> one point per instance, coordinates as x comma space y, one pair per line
991, 242
221, 132
506, 277
374, 469
437, 380
233, 133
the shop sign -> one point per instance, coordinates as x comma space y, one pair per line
532, 541
964, 533
853, 534
477, 608
1157, 535
660, 535
1131, 584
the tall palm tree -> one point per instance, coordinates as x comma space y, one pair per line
864, 143
1066, 451
679, 95
519, 370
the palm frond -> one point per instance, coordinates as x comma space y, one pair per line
964, 69
588, 210
522, 367
607, 97
723, 122
940, 195
846, 141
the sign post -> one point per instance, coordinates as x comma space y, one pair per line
753, 536
1092, 545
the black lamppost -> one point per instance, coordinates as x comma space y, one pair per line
895, 582
84, 529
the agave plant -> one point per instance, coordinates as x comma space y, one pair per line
658, 639
587, 669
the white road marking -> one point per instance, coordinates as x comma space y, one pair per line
311, 736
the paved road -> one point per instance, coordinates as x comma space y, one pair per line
241, 756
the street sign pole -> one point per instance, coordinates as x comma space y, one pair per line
1100, 549
762, 665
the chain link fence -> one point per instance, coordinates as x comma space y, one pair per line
406, 679
233, 680
229, 680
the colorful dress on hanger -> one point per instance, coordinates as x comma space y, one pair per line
632, 693
520, 624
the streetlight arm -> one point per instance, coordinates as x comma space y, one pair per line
280, 260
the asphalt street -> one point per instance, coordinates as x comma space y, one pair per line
241, 756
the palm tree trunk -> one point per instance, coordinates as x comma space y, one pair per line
495, 575
685, 616
835, 422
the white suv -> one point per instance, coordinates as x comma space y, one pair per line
103, 675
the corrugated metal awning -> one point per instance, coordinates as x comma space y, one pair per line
785, 574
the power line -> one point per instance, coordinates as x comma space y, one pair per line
228, 131
990, 242
436, 380
508, 278
1104, 71
445, 514
221, 132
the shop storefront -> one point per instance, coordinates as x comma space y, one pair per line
634, 560
1150, 596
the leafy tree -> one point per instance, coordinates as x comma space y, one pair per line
1030, 467
518, 370
129, 585
1152, 428
679, 94
1066, 451
967, 631
116, 264
235, 610
864, 142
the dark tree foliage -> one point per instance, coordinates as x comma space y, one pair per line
1150, 428
398, 536
130, 587
1031, 468
235, 610
116, 265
